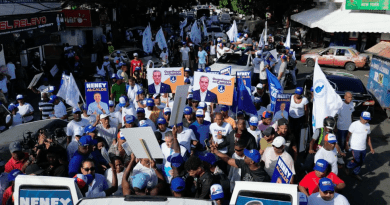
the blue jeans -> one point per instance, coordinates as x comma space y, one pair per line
341, 138
202, 66
357, 162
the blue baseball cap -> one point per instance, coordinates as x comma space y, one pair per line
85, 140
266, 115
19, 97
321, 165
137, 68
299, 90
187, 81
201, 105
11, 107
199, 113
75, 110
178, 184
150, 102
176, 160
253, 121
180, 124
143, 123
240, 113
53, 98
122, 101
331, 138
257, 100
190, 96
200, 70
208, 69
140, 180
89, 129
187, 70
291, 52
13, 174
161, 120
284, 57
187, 110
111, 103
311, 89
287, 48
224, 108
216, 192
140, 110
209, 158
253, 154
366, 115
167, 111
129, 119
140, 91
325, 184
114, 76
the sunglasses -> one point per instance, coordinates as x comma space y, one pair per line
88, 169
328, 192
238, 150
281, 147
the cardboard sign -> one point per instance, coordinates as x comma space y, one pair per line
282, 173
133, 136
178, 105
54, 70
226, 71
246, 200
35, 80
29, 196
216, 88
167, 79
96, 94
282, 106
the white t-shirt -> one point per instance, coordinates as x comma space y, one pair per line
184, 53
11, 70
185, 137
329, 156
212, 49
167, 165
221, 51
345, 112
25, 109
225, 129
129, 110
132, 92
59, 110
163, 133
315, 199
270, 159
73, 125
263, 71
108, 175
359, 132
115, 118
17, 120
297, 110
257, 134
108, 134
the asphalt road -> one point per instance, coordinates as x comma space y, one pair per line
375, 186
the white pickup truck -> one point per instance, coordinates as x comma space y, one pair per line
34, 190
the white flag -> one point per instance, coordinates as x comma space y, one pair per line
232, 32
205, 30
288, 41
72, 93
147, 40
326, 101
195, 34
160, 38
182, 24
265, 34
64, 86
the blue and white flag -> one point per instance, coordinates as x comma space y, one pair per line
63, 86
244, 99
205, 34
326, 101
232, 32
195, 34
261, 42
288, 39
160, 38
72, 93
274, 88
147, 40
182, 25
226, 71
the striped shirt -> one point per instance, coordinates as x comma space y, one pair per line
46, 108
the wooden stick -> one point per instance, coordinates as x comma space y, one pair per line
146, 150
177, 112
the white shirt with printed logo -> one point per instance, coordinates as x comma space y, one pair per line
329, 156
225, 129
359, 132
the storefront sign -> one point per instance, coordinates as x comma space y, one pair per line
367, 5
378, 81
14, 28
77, 18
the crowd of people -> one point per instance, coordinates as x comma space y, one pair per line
205, 154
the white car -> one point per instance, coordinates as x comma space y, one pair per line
224, 18
237, 61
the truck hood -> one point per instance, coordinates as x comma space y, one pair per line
235, 68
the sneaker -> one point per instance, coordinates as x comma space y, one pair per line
357, 177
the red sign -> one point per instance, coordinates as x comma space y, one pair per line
22, 23
77, 18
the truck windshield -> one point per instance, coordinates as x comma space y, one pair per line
233, 59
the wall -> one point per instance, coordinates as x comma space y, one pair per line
79, 37
16, 9
2, 58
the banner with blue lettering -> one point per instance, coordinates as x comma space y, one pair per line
60, 197
282, 106
226, 71
282, 173
96, 94
246, 200
274, 87
378, 82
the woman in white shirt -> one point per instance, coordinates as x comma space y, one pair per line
14, 118
298, 113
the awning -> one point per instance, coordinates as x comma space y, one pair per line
381, 49
344, 21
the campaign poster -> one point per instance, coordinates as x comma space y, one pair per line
246, 200
165, 80
244, 76
213, 88
226, 71
282, 106
27, 196
97, 97
282, 174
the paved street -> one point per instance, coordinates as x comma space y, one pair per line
375, 187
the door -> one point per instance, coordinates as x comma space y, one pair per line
326, 57
341, 57
89, 39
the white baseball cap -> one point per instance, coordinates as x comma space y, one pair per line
103, 116
279, 141
167, 110
199, 113
253, 121
260, 86
202, 105
135, 54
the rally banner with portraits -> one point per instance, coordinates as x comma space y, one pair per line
97, 97
213, 88
164, 80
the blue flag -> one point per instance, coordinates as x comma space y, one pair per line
274, 88
244, 99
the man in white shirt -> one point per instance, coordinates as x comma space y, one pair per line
184, 55
115, 115
221, 50
168, 151
162, 126
164, 57
219, 130
358, 136
253, 122
126, 107
185, 136
14, 118
326, 194
328, 152
133, 89
141, 116
75, 124
59, 108
344, 119
104, 129
25, 109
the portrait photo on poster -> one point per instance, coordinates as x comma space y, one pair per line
213, 88
96, 94
164, 80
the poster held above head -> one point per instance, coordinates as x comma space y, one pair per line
178, 105
35, 80
164, 80
282, 174
282, 106
133, 137
226, 71
244, 76
96, 94
213, 88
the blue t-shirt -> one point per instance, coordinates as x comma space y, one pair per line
201, 131
202, 57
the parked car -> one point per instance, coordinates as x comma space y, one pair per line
338, 56
296, 44
127, 54
363, 100
237, 61
224, 18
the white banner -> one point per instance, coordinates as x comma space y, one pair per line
160, 38
288, 41
232, 33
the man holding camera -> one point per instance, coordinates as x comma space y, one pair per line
19, 159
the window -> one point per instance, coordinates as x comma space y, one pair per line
340, 52
233, 59
257, 198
